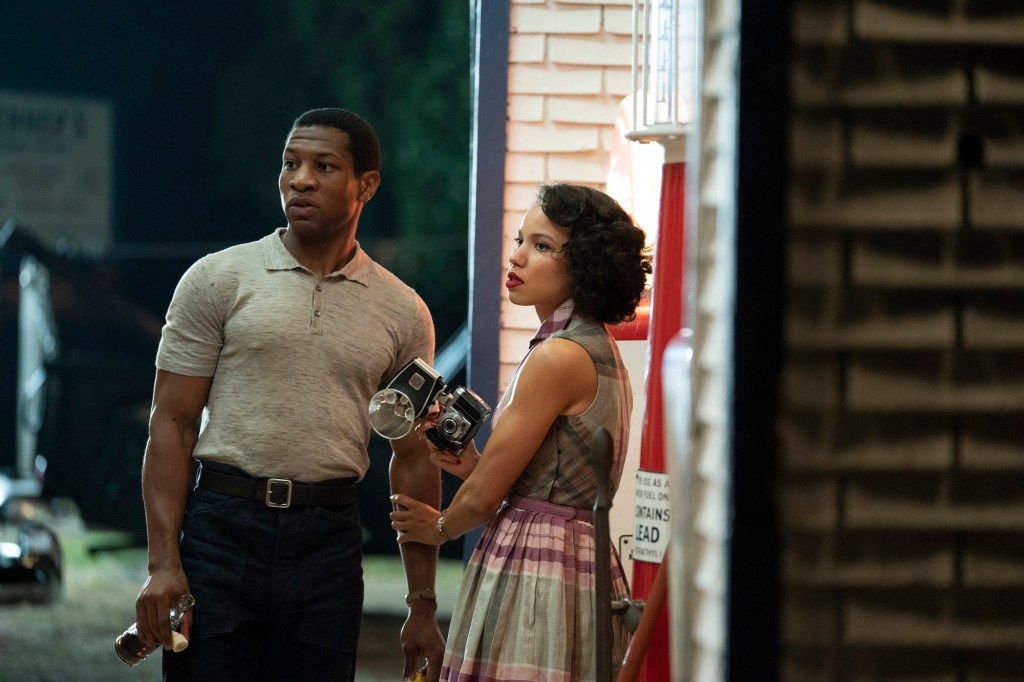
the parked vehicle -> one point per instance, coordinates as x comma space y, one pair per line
31, 569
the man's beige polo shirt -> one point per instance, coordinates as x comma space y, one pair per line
294, 360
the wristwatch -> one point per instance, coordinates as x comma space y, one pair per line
425, 593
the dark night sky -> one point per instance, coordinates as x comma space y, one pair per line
203, 95
170, 69
157, 63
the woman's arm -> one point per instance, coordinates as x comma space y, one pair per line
558, 378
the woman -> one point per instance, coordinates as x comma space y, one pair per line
526, 607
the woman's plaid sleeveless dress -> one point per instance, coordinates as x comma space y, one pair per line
526, 610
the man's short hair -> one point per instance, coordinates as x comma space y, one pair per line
362, 140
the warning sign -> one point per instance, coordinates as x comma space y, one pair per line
652, 517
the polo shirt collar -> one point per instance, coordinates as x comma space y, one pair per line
277, 257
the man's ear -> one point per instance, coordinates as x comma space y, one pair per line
368, 184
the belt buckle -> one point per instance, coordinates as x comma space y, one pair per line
273, 485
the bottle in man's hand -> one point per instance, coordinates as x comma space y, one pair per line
132, 651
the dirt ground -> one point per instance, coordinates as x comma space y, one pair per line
72, 639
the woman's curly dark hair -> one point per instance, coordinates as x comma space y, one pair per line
606, 255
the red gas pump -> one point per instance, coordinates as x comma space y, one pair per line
665, 322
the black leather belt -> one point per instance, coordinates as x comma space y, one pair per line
280, 493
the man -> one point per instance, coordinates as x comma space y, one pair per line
277, 347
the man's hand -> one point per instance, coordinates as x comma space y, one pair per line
159, 593
421, 639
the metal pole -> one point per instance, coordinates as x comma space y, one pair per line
653, 607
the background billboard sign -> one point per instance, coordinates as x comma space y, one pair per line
56, 168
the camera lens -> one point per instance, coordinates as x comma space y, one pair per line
449, 426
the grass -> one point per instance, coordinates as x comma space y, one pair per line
72, 639
384, 578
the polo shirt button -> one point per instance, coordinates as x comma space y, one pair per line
319, 287
317, 313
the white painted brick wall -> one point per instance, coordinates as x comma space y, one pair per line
525, 168
524, 137
532, 80
526, 108
618, 21
519, 198
591, 169
568, 71
526, 48
519, 317
518, 342
582, 110
617, 82
628, 3
555, 21
591, 52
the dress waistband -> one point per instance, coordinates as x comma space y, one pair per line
560, 510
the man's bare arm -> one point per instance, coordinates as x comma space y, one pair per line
178, 403
413, 474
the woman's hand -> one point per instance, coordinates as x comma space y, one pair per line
457, 463
460, 463
415, 521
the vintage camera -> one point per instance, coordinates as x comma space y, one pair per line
462, 413
409, 397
